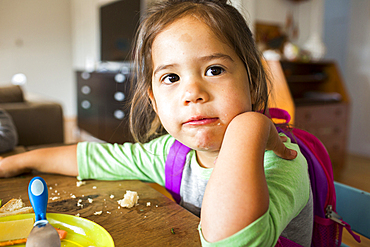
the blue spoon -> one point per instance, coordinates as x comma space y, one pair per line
42, 233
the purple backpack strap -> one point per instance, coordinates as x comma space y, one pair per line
174, 167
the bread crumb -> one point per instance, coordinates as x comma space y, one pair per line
129, 200
94, 187
73, 196
108, 212
78, 214
54, 198
98, 212
80, 183
90, 200
79, 204
111, 196
148, 204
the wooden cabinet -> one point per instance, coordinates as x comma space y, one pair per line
321, 103
102, 105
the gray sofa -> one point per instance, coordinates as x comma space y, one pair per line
37, 122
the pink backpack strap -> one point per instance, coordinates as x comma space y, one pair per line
174, 167
284, 242
280, 114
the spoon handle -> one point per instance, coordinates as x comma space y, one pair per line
38, 195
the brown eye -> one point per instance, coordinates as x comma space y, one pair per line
171, 78
214, 71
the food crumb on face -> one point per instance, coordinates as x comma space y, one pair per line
73, 196
94, 187
54, 198
78, 214
98, 212
148, 204
108, 212
90, 200
111, 196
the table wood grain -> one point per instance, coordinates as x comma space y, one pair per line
162, 223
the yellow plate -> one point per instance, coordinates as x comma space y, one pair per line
81, 232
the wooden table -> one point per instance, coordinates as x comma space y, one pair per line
163, 223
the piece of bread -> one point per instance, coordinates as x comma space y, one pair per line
129, 200
14, 206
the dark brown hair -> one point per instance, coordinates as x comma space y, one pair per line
225, 21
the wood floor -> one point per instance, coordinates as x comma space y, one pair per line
356, 173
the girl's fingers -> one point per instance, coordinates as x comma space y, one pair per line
286, 153
283, 138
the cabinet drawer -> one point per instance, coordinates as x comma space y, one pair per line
326, 131
333, 113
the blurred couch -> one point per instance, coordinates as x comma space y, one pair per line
38, 122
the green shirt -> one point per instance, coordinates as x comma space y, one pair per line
288, 182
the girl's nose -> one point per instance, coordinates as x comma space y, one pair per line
195, 92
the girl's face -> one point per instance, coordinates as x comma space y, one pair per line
199, 84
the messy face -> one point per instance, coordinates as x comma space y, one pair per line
199, 84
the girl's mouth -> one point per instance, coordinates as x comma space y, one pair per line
201, 121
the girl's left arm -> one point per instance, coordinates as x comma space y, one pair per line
237, 194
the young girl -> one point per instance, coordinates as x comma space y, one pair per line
200, 77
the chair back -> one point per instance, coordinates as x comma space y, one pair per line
353, 206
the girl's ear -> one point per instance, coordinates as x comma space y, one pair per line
152, 100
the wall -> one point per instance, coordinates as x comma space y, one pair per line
35, 39
276, 11
358, 76
85, 29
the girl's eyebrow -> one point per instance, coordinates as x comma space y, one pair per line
204, 59
217, 56
162, 67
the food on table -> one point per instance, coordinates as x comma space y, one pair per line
15, 229
18, 231
62, 233
14, 206
129, 200
80, 183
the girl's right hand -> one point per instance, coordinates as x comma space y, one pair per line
57, 160
8, 168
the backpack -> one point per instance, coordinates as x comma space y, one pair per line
328, 225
